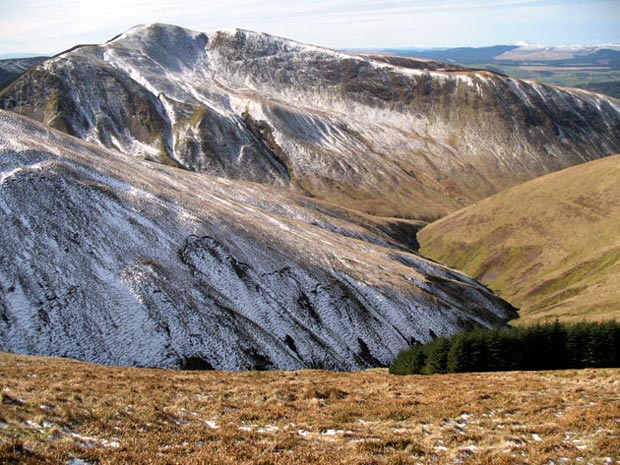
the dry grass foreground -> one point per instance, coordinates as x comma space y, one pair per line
61, 411
550, 246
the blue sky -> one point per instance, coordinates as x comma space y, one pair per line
54, 25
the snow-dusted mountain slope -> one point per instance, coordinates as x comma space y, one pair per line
113, 259
376, 134
19, 65
13, 67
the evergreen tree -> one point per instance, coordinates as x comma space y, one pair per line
540, 347
575, 344
437, 361
503, 352
467, 353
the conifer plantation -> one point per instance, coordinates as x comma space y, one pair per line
551, 346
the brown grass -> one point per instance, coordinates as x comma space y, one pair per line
56, 410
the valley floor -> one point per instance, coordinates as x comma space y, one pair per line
61, 411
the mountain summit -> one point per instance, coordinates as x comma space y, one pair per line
391, 137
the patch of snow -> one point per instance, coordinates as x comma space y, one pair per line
91, 441
76, 461
268, 429
113, 444
334, 432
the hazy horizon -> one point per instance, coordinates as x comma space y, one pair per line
49, 27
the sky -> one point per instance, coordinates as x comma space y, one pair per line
51, 26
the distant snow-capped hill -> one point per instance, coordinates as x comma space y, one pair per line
377, 134
526, 51
113, 259
11, 68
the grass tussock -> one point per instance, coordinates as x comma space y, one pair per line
55, 410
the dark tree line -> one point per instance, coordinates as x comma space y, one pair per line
552, 346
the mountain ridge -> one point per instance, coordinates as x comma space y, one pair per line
337, 126
595, 68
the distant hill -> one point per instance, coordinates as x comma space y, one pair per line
550, 246
460, 55
595, 68
604, 55
11, 69
8, 56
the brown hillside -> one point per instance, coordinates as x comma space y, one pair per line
550, 246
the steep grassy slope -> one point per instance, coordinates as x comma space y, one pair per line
550, 246
63, 412
387, 136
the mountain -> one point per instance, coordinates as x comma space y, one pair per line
401, 138
576, 55
18, 55
10, 69
611, 88
550, 246
520, 54
461, 55
109, 258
